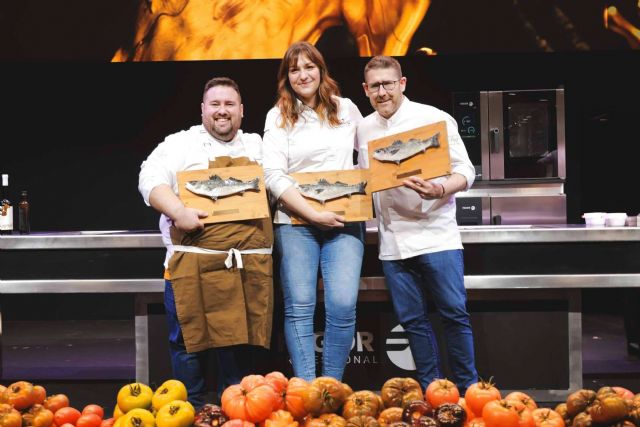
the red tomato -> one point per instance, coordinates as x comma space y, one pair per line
66, 415
479, 394
67, 425
55, 402
441, 391
39, 394
524, 413
623, 392
93, 409
545, 417
108, 422
499, 413
522, 397
89, 420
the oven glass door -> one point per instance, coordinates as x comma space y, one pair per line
530, 143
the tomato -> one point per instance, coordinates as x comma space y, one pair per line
623, 392
362, 403
279, 418
294, 397
478, 394
441, 391
19, 394
169, 391
66, 415
93, 409
137, 417
252, 381
390, 416
55, 402
37, 416
499, 413
578, 401
477, 422
524, 413
134, 395
545, 417
326, 420
324, 395
117, 412
400, 391
238, 423
108, 422
39, 394
65, 425
279, 383
249, 404
608, 409
522, 397
177, 413
89, 420
470, 415
9, 416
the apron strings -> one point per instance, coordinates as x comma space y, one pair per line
231, 253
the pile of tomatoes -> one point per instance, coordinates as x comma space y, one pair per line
608, 406
26, 405
140, 406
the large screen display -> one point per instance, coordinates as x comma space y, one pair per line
174, 30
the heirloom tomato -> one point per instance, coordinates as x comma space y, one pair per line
89, 420
55, 402
326, 420
360, 403
623, 392
450, 415
390, 416
134, 395
400, 391
279, 383
608, 409
476, 422
37, 416
253, 403
117, 412
499, 413
578, 401
9, 416
137, 417
19, 394
294, 397
441, 391
169, 391
478, 394
279, 418
39, 394
177, 413
545, 417
238, 423
522, 397
363, 421
324, 395
470, 415
66, 415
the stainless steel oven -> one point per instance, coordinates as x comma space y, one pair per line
516, 141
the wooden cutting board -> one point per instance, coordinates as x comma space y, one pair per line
432, 163
358, 207
236, 207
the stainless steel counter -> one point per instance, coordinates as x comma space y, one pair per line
470, 234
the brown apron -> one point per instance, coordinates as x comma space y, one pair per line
219, 306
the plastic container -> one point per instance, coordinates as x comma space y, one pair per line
615, 219
594, 219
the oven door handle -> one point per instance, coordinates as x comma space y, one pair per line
495, 145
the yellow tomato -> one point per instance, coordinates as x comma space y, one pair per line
117, 412
134, 395
169, 391
177, 413
138, 417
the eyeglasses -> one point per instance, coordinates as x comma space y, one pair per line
388, 86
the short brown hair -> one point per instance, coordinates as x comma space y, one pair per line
221, 81
380, 62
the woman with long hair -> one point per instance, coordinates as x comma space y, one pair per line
312, 129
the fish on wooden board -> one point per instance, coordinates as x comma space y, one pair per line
216, 187
324, 190
399, 151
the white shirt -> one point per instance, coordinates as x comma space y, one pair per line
190, 150
408, 225
309, 146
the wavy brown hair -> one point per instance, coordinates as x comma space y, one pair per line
327, 107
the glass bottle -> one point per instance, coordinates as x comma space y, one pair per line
6, 209
24, 224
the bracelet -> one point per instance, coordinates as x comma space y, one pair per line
443, 191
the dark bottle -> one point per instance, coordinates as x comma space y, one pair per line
24, 225
6, 210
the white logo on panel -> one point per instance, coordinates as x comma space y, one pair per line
403, 359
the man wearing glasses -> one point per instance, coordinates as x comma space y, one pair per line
419, 242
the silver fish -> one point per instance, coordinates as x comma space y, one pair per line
216, 187
399, 151
323, 190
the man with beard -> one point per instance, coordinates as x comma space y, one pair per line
210, 307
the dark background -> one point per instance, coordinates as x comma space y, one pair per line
76, 127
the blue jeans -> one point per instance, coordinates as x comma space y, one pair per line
442, 274
190, 368
338, 254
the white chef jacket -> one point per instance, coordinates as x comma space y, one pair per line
408, 225
311, 145
190, 150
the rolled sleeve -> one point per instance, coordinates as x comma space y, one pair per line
275, 159
460, 162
